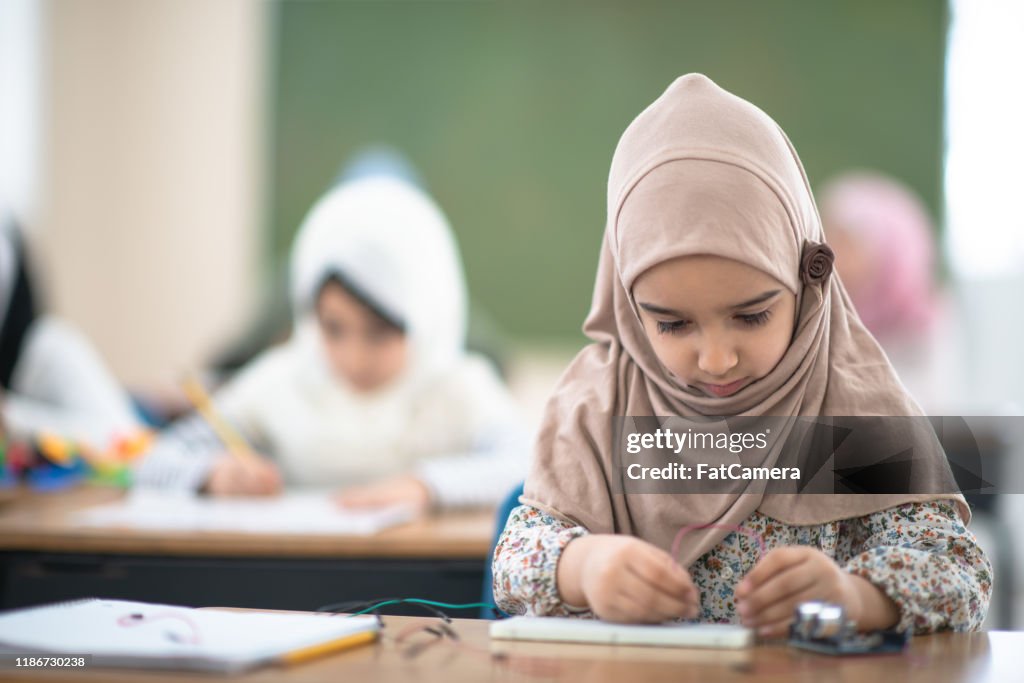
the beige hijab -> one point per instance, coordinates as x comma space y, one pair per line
701, 171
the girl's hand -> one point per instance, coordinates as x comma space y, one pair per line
404, 489
767, 597
622, 578
251, 475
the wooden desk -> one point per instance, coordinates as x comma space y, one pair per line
949, 657
46, 556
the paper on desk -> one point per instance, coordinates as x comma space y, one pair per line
119, 633
289, 513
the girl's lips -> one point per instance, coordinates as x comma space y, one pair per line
721, 390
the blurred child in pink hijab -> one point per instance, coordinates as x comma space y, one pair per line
884, 242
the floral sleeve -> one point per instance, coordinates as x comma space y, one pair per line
927, 562
526, 560
920, 555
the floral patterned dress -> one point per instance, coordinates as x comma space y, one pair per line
919, 554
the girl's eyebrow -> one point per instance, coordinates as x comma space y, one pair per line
658, 310
759, 299
661, 310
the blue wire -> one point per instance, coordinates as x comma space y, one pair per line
432, 603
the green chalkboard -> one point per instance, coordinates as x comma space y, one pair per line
511, 111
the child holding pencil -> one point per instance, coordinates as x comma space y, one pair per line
715, 297
374, 393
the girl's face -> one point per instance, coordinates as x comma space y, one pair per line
716, 324
362, 348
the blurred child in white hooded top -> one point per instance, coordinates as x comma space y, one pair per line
374, 393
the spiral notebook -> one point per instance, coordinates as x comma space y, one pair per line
119, 633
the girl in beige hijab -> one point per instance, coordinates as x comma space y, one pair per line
715, 297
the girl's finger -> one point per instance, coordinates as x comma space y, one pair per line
235, 479
257, 480
626, 600
651, 600
248, 481
358, 498
775, 629
658, 569
262, 476
779, 587
781, 610
271, 479
772, 563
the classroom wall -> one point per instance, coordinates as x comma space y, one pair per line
512, 111
162, 120
150, 233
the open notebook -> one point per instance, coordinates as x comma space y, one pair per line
294, 512
141, 635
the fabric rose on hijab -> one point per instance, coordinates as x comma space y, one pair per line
816, 263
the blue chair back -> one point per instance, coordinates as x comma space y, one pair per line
504, 510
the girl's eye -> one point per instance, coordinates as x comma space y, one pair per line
332, 330
755, 319
672, 327
381, 334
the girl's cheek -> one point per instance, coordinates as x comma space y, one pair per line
773, 352
676, 365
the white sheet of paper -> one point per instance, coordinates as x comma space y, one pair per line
294, 512
166, 636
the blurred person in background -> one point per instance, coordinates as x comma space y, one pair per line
374, 392
884, 242
52, 381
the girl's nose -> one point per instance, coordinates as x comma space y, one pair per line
715, 358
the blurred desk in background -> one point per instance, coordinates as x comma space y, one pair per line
45, 555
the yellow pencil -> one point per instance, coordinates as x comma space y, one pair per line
306, 653
204, 406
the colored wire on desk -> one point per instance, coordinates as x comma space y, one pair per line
343, 606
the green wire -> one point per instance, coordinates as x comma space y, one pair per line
447, 605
